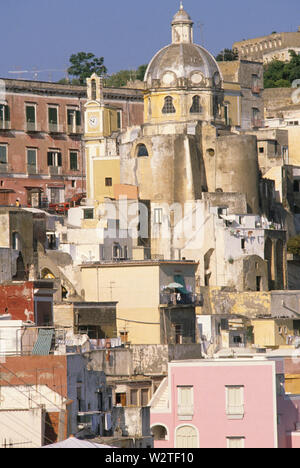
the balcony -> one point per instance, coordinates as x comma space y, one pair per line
55, 170
31, 169
32, 127
74, 130
5, 125
55, 128
4, 168
175, 299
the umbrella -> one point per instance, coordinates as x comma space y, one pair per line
174, 286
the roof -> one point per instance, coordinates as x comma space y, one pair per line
72, 442
183, 60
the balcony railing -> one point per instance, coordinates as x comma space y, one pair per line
55, 170
5, 125
31, 169
32, 127
56, 128
74, 130
4, 168
181, 299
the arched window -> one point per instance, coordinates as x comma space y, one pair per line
142, 150
186, 437
196, 107
159, 432
94, 90
168, 106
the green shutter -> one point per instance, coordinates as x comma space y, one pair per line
50, 158
31, 157
73, 161
30, 114
59, 159
7, 113
52, 112
78, 118
3, 155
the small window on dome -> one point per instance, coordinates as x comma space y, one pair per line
142, 150
168, 106
196, 107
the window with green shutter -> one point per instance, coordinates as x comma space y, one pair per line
73, 160
31, 157
4, 113
54, 158
30, 114
53, 115
3, 154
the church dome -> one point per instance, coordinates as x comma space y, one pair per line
183, 60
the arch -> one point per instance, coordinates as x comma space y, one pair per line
168, 106
186, 436
141, 150
196, 106
47, 274
160, 431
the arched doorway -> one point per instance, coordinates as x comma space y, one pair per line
159, 432
186, 437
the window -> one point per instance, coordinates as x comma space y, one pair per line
144, 396
159, 432
168, 106
15, 241
119, 119
235, 442
261, 149
243, 243
4, 116
54, 158
53, 119
235, 402
31, 117
185, 405
196, 107
94, 90
73, 161
31, 161
134, 397
142, 150
158, 215
74, 120
3, 154
108, 182
88, 213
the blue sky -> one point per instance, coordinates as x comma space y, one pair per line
42, 34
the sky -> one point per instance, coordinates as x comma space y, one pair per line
43, 34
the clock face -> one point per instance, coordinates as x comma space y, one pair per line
93, 121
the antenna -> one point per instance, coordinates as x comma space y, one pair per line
36, 72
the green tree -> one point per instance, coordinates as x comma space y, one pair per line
140, 73
279, 74
227, 55
83, 65
121, 78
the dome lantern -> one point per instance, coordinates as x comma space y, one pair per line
182, 27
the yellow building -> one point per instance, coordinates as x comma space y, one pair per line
272, 332
102, 156
145, 314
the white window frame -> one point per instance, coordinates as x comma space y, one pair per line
238, 439
235, 411
185, 412
6, 152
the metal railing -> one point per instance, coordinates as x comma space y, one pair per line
181, 299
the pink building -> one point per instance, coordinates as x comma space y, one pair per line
224, 403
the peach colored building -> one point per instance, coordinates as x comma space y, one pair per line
224, 403
42, 156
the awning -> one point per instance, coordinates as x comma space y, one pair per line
43, 343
